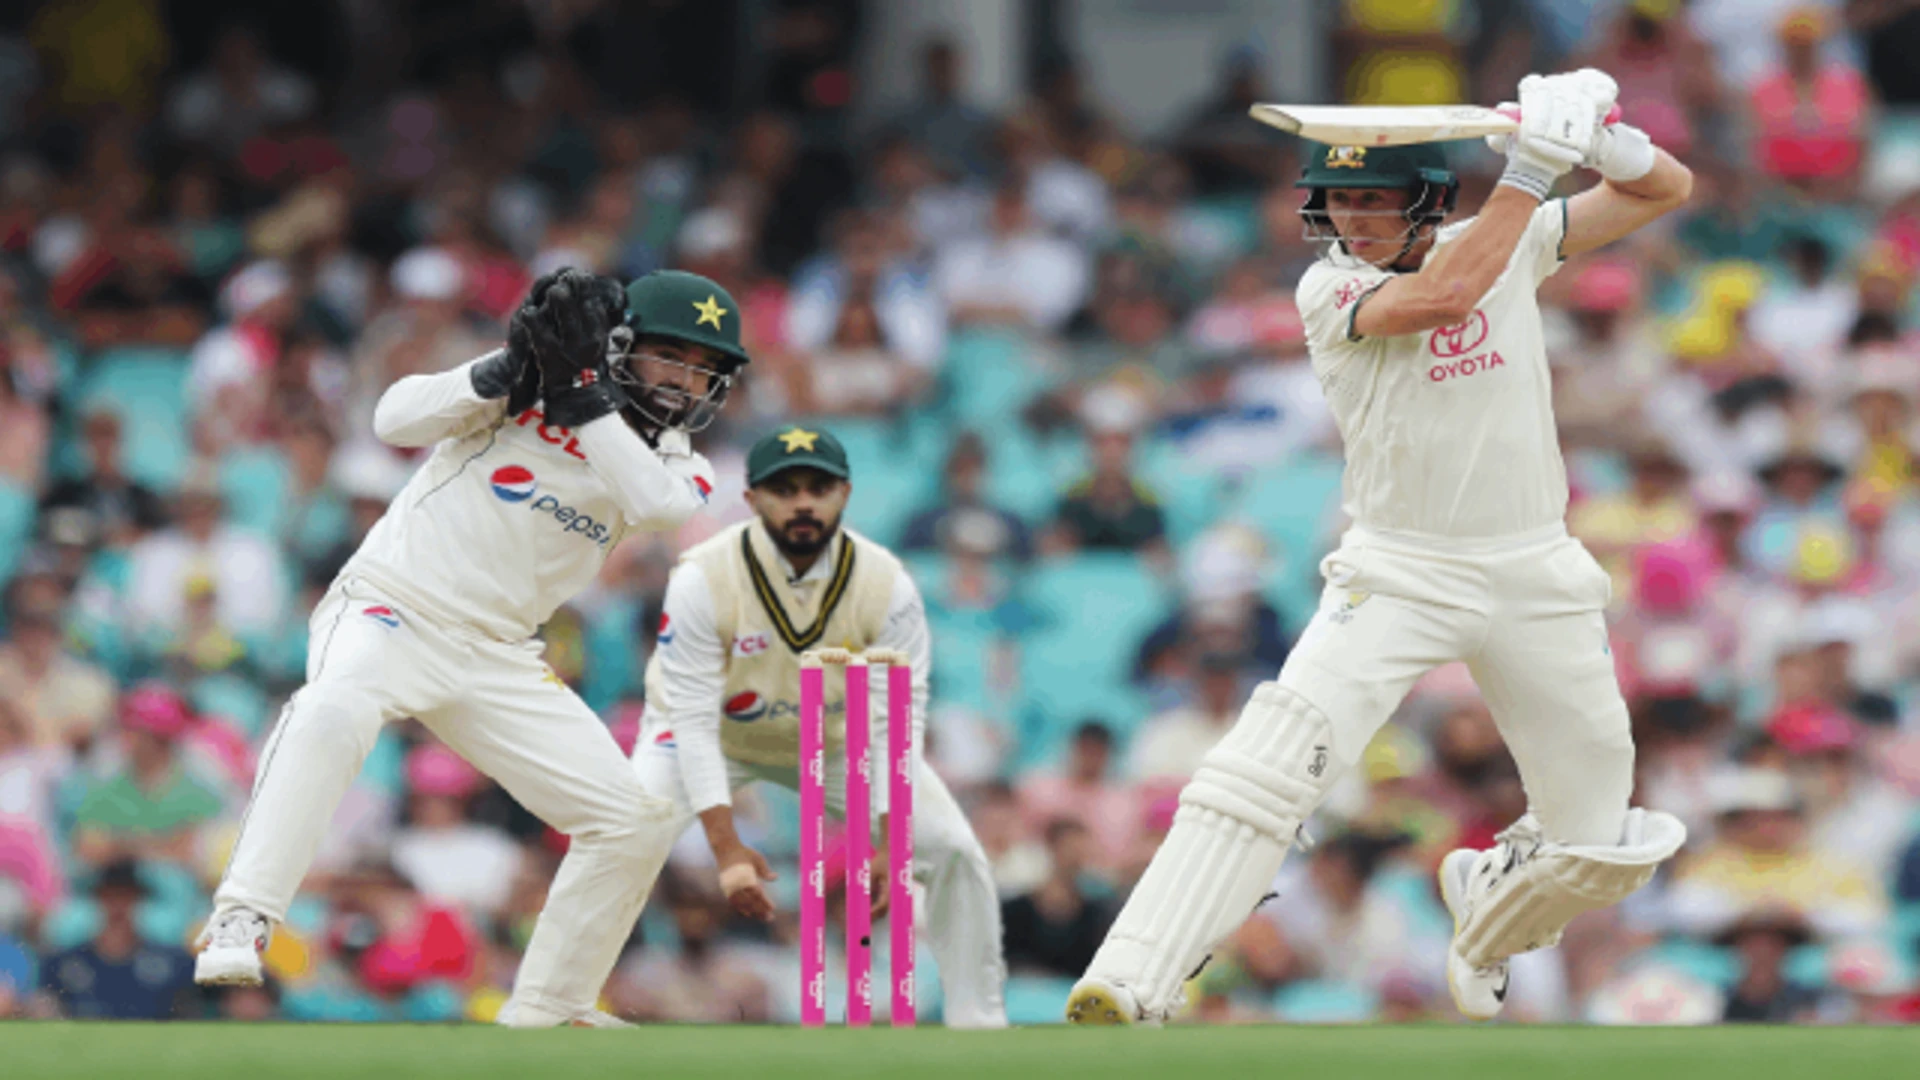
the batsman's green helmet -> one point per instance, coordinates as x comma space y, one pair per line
1420, 170
686, 307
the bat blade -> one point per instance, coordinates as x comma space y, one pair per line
1384, 125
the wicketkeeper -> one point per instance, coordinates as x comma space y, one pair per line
723, 700
546, 453
1427, 342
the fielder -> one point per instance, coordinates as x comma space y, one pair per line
1427, 343
548, 452
723, 690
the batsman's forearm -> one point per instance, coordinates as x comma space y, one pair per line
1465, 269
1668, 182
420, 410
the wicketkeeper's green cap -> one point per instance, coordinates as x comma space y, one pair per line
1374, 166
794, 447
686, 307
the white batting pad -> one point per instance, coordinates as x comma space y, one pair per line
1236, 821
1524, 894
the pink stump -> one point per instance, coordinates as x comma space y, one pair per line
900, 840
859, 851
813, 870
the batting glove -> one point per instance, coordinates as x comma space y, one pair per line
1557, 126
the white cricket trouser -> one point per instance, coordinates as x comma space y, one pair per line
1526, 615
961, 922
370, 661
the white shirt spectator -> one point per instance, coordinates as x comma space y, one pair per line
1044, 277
910, 314
469, 865
1805, 328
250, 587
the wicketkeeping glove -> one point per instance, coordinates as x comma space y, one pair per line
569, 335
513, 372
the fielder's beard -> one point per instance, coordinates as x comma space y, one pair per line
807, 546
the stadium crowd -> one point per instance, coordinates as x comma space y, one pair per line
1066, 362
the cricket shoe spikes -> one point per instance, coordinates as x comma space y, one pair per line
1478, 992
230, 948
1095, 1002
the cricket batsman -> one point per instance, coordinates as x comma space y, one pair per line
546, 453
723, 690
1427, 342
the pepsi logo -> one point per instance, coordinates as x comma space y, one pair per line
512, 483
664, 636
383, 615
664, 739
700, 485
746, 707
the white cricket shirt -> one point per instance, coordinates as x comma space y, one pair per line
1449, 433
510, 516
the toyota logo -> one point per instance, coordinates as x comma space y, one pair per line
1460, 338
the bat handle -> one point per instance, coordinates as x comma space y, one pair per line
1512, 112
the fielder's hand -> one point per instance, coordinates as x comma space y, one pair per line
877, 892
742, 870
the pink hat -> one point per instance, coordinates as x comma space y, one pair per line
1666, 578
156, 709
1606, 285
436, 770
1811, 729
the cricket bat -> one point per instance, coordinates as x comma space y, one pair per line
1391, 125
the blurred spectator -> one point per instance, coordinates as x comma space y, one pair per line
1170, 747
241, 93
704, 981
962, 505
1020, 863
1223, 152
1085, 791
133, 287
201, 554
1222, 612
154, 806
1014, 276
1761, 859
936, 208
116, 975
1764, 994
1345, 928
1063, 196
17, 978
450, 859
1667, 77
24, 434
1852, 813
954, 132
32, 881
1610, 356
1652, 510
228, 382
863, 274
122, 507
391, 939
1056, 928
63, 700
422, 334
1111, 509
1812, 115
1804, 319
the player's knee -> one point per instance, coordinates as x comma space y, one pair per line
332, 715
625, 816
1273, 768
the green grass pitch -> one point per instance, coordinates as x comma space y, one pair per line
33, 1051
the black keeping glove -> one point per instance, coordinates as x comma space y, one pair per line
513, 372
570, 334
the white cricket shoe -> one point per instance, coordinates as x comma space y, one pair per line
1478, 992
230, 948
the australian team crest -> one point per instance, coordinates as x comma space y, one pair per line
1346, 157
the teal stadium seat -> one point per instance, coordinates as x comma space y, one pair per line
963, 639
147, 388
1090, 613
17, 512
988, 376
1192, 498
1293, 505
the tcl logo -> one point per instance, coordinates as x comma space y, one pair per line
752, 645
552, 436
1459, 339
